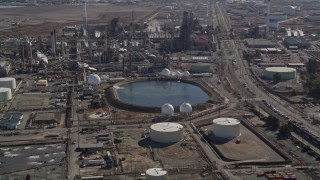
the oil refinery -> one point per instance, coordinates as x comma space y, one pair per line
159, 90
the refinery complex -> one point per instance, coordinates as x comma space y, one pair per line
159, 90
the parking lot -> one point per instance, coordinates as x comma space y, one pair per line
19, 158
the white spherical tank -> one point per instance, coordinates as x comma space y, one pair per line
156, 174
179, 74
228, 128
167, 109
166, 132
186, 108
186, 74
5, 94
165, 72
105, 77
94, 79
8, 82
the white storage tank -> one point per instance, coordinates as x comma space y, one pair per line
284, 72
8, 82
94, 79
186, 108
165, 72
228, 128
167, 109
166, 132
156, 174
5, 94
186, 74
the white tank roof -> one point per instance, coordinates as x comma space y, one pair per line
7, 79
94, 79
280, 69
226, 121
8, 82
166, 127
156, 173
185, 107
165, 72
167, 109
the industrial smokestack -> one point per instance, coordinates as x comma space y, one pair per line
85, 17
55, 41
268, 19
53, 44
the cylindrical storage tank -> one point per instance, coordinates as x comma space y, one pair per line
156, 174
5, 94
228, 128
167, 109
284, 72
186, 108
8, 82
166, 132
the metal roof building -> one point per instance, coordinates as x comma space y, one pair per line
11, 120
259, 43
299, 42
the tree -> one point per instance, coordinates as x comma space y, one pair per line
313, 66
285, 130
272, 121
277, 77
293, 93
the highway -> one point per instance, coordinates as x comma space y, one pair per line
246, 85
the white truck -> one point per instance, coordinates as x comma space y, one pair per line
95, 162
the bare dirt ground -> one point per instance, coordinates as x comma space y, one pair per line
43, 19
250, 148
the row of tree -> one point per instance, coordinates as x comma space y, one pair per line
313, 66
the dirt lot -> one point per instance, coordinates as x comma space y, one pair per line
42, 19
250, 148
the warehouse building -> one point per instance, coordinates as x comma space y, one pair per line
298, 42
259, 43
11, 120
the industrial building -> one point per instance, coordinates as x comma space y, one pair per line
11, 120
289, 10
296, 42
200, 69
47, 119
227, 128
285, 73
166, 132
156, 174
42, 84
5, 68
314, 17
259, 43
